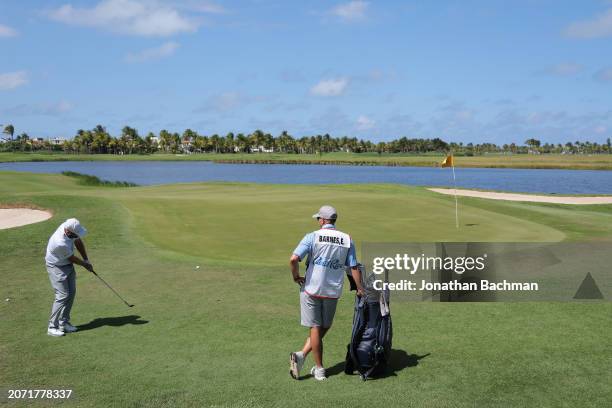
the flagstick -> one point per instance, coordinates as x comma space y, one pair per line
455, 191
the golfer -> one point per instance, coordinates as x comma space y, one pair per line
328, 253
60, 260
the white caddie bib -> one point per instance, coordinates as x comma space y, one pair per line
326, 270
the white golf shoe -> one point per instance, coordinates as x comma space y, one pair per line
296, 362
318, 373
55, 332
68, 328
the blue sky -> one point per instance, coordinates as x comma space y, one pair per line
478, 71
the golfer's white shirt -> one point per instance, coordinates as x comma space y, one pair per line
59, 248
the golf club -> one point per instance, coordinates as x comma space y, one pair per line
114, 291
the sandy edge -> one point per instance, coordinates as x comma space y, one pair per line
17, 217
526, 197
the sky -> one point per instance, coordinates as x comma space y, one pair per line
464, 71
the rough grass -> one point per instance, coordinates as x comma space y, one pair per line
220, 335
89, 180
547, 161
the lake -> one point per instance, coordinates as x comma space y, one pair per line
517, 180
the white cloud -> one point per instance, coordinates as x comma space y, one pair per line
564, 69
365, 123
330, 87
331, 121
599, 26
228, 102
12, 80
133, 17
6, 31
165, 50
351, 11
604, 74
456, 113
47, 109
202, 6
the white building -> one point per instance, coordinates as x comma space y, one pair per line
262, 149
57, 141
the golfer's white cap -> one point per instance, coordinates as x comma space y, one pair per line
73, 225
326, 212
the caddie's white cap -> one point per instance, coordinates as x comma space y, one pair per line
326, 212
73, 225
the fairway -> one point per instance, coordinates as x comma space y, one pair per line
219, 335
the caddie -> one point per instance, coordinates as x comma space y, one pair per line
328, 252
60, 260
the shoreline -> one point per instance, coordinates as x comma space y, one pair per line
542, 162
474, 192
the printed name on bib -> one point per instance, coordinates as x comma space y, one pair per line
331, 239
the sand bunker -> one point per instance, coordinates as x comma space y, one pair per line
526, 197
16, 217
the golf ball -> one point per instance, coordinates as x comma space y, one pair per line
8, 299
198, 267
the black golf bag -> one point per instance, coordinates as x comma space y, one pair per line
369, 350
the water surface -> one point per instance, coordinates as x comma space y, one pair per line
164, 172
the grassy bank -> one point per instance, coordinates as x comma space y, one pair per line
89, 180
578, 162
220, 335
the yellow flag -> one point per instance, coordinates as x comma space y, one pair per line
448, 161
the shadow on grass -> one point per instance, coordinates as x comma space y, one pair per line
112, 321
398, 360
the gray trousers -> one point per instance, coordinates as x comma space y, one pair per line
63, 281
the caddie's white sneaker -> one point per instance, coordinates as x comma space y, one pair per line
68, 328
296, 362
318, 373
55, 332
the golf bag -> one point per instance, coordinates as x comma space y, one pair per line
369, 350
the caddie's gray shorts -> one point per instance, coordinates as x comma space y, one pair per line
317, 312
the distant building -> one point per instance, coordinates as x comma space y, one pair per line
57, 141
262, 149
186, 145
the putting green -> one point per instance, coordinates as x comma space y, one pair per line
263, 223
220, 335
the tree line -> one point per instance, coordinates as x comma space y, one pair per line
99, 141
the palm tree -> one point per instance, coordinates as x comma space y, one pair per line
242, 142
533, 144
215, 141
100, 140
165, 140
256, 139
130, 138
230, 142
9, 130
